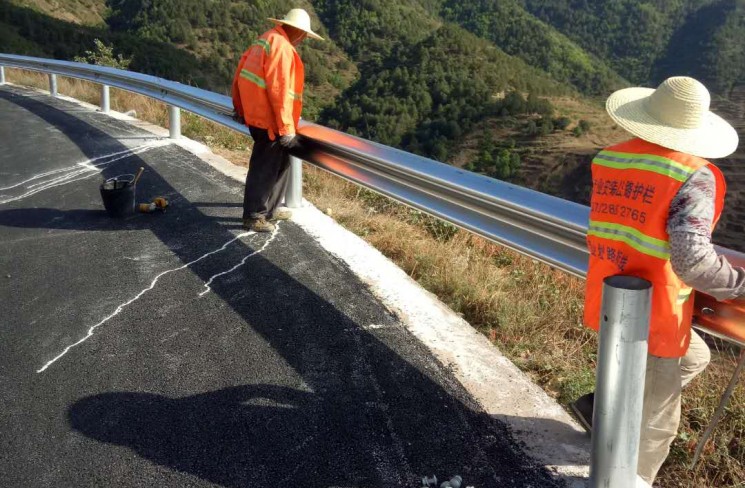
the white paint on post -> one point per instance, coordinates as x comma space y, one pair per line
294, 192
174, 122
619, 391
2, 75
105, 99
53, 84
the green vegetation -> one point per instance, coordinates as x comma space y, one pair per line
103, 55
518, 33
421, 88
647, 40
499, 161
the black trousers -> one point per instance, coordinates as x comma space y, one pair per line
267, 176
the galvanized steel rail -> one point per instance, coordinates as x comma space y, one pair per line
543, 227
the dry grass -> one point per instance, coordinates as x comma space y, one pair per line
529, 310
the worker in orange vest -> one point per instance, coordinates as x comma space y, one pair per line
655, 202
268, 98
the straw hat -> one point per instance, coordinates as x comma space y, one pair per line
299, 19
676, 115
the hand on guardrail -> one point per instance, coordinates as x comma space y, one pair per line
238, 118
289, 141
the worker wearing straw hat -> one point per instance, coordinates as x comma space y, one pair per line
655, 202
268, 97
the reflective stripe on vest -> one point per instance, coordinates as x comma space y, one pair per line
634, 238
684, 296
263, 43
253, 78
644, 162
295, 96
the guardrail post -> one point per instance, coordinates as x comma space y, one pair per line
2, 75
619, 391
174, 122
53, 84
294, 192
105, 99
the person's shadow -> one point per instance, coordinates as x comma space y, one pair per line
253, 435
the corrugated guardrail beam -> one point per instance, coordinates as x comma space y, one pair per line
543, 227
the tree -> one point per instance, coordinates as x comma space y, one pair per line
561, 123
103, 55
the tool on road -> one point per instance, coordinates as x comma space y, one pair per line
139, 173
118, 195
158, 203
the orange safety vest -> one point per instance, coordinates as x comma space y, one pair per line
268, 84
633, 185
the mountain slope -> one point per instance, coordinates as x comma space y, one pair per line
649, 40
509, 26
424, 82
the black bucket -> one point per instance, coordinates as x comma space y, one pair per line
118, 194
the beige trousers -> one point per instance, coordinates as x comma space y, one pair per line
661, 412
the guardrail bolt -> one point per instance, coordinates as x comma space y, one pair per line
53, 84
105, 99
174, 122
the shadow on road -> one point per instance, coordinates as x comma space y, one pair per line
373, 419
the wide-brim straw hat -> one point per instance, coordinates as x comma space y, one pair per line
299, 19
676, 116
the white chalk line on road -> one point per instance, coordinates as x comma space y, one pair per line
62, 170
79, 171
243, 261
152, 285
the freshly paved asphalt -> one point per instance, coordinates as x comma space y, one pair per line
287, 373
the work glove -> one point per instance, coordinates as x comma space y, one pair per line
238, 117
289, 141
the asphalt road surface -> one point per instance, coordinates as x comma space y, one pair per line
173, 349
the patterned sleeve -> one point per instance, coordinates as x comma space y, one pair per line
692, 254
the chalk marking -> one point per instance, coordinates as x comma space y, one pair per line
80, 171
152, 285
243, 261
69, 168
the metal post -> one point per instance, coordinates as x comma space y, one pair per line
105, 99
174, 121
53, 84
2, 75
619, 390
294, 192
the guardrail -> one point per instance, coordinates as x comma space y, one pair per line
541, 226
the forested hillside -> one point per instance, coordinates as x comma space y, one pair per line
423, 83
648, 40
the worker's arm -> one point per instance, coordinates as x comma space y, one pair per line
235, 91
692, 254
277, 73
237, 105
